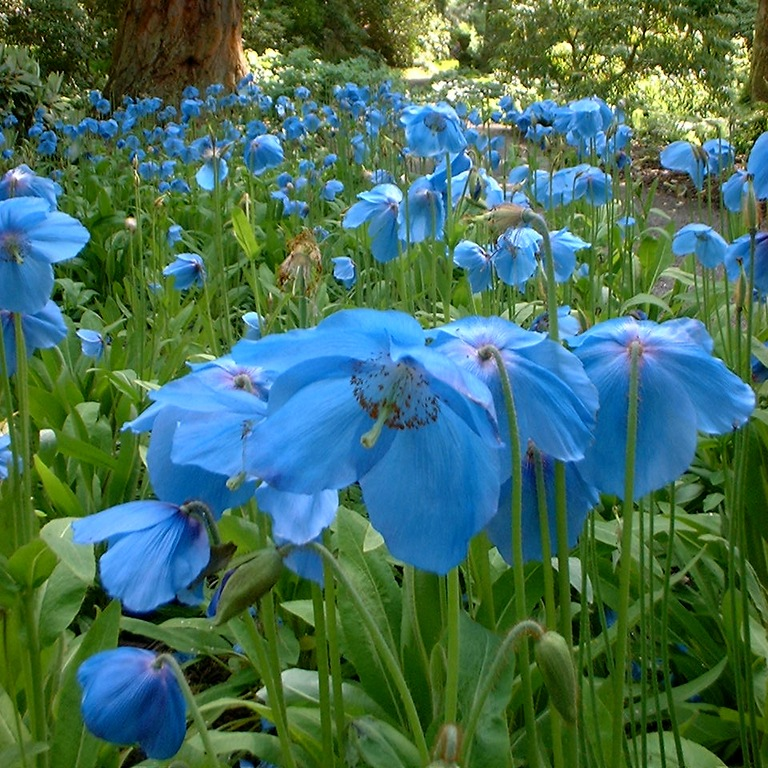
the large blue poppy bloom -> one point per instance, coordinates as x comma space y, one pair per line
130, 696
554, 400
262, 153
477, 261
514, 256
757, 166
32, 239
425, 215
433, 129
687, 158
41, 330
738, 256
702, 240
683, 390
380, 207
22, 181
187, 270
366, 401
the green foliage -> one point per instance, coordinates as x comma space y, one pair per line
582, 47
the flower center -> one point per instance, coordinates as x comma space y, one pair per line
12, 248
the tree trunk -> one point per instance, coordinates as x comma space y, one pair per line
758, 74
164, 45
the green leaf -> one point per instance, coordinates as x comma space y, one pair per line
10, 726
643, 299
372, 579
79, 558
32, 564
61, 495
693, 754
380, 745
72, 744
83, 451
185, 635
244, 233
63, 594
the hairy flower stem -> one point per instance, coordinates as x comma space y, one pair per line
625, 567
27, 524
452, 671
385, 652
35, 690
194, 710
517, 548
334, 654
521, 631
323, 682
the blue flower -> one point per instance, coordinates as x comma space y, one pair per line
554, 401
757, 166
22, 181
425, 214
477, 261
739, 254
700, 239
6, 455
380, 207
720, 154
332, 188
433, 130
262, 153
132, 696
366, 401
565, 246
683, 390
514, 256
41, 330
91, 343
187, 270
32, 239
685, 157
173, 235
253, 325
734, 191
593, 184
344, 271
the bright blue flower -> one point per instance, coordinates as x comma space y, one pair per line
700, 239
187, 270
734, 191
433, 130
262, 153
47, 143
214, 168
253, 323
514, 256
477, 261
580, 499
131, 696
757, 166
296, 517
738, 256
32, 239
683, 390
43, 329
6, 455
424, 216
91, 343
568, 325
565, 246
330, 189
366, 401
173, 235
344, 271
554, 401
593, 184
720, 154
380, 207
22, 181
685, 157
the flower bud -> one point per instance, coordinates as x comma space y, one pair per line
556, 664
249, 582
749, 207
447, 751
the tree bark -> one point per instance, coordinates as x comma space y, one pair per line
758, 73
164, 45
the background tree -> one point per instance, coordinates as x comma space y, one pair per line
164, 45
758, 73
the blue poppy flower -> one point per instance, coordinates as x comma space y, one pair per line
344, 271
91, 343
734, 191
366, 401
594, 185
380, 207
720, 154
187, 270
554, 400
43, 329
702, 240
683, 390
738, 256
424, 216
514, 256
331, 188
757, 166
433, 130
580, 499
262, 153
477, 261
565, 246
22, 181
253, 325
297, 518
6, 455
131, 696
32, 239
568, 325
685, 157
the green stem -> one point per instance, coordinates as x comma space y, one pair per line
28, 521
385, 652
323, 683
334, 653
194, 710
625, 567
35, 690
452, 672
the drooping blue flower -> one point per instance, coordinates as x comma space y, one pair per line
331, 188
22, 181
424, 216
514, 255
683, 390
702, 240
297, 518
380, 207
580, 499
568, 325
685, 157
214, 168
43, 329
6, 455
132, 696
262, 153
757, 166
594, 185
187, 270
173, 235
433, 129
477, 261
344, 271
91, 343
32, 239
366, 401
253, 324
734, 191
554, 400
565, 246
720, 154
738, 256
